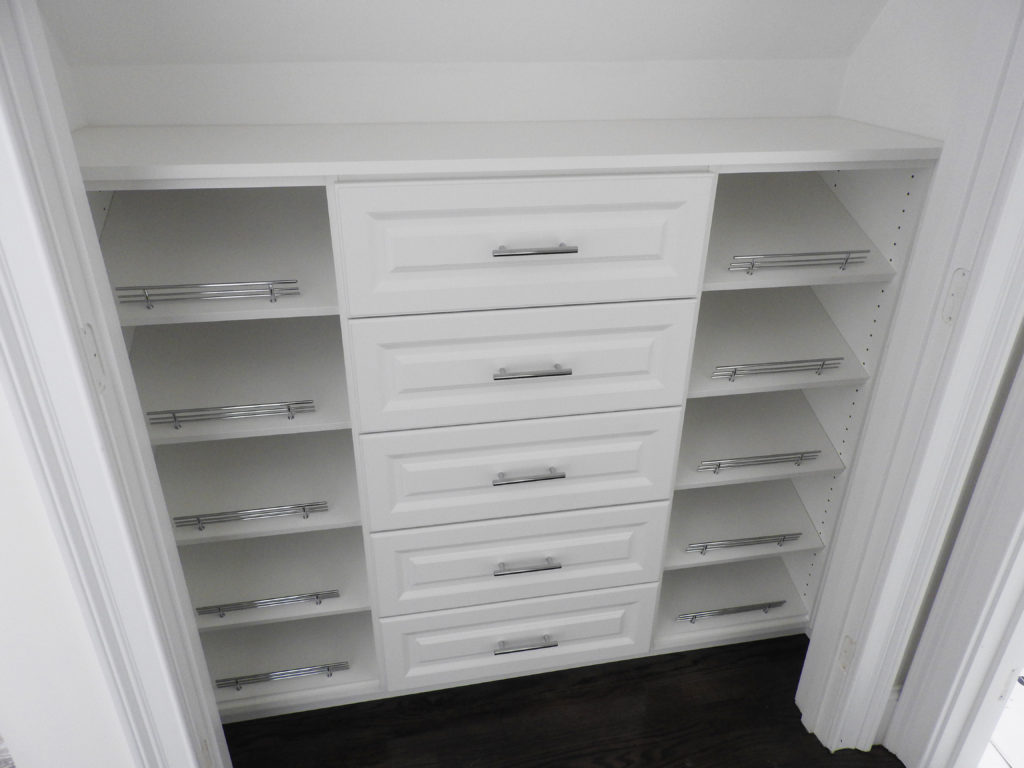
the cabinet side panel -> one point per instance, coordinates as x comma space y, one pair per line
886, 204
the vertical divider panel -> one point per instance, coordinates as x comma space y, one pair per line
353, 395
886, 204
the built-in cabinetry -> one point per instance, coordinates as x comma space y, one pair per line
229, 305
424, 432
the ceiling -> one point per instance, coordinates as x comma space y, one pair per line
137, 32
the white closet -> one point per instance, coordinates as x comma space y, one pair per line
426, 431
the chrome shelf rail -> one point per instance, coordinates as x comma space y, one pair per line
763, 607
249, 289
259, 513
284, 674
817, 365
221, 412
776, 538
271, 602
796, 457
840, 259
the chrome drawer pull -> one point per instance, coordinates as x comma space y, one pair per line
529, 645
818, 365
201, 521
270, 602
796, 457
509, 570
504, 374
250, 289
551, 474
776, 538
284, 674
841, 259
219, 412
549, 251
764, 607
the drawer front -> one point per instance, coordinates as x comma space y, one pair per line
435, 246
458, 474
437, 370
448, 566
515, 638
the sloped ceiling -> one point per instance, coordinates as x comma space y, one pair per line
253, 62
129, 32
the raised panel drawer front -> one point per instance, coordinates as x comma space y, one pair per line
516, 638
458, 474
467, 368
448, 566
439, 246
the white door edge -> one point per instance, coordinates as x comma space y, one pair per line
930, 406
60, 343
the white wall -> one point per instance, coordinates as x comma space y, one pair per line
906, 70
66, 82
305, 61
63, 713
371, 92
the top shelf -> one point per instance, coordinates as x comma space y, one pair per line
125, 157
791, 217
219, 242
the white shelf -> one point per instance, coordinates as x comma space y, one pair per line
766, 326
733, 512
736, 426
291, 645
784, 213
259, 472
243, 362
729, 585
170, 237
114, 157
279, 566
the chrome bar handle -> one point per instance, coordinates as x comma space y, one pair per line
530, 645
222, 412
249, 289
764, 607
750, 541
509, 570
284, 674
201, 521
840, 259
551, 474
561, 248
504, 374
270, 602
796, 457
817, 365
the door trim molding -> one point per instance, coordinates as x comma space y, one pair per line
933, 398
61, 340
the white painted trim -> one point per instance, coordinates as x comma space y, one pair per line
954, 685
931, 403
61, 341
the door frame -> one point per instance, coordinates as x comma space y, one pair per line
65, 365
940, 378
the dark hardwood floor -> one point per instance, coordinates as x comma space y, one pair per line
715, 708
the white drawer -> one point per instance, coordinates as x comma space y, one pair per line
413, 247
516, 638
476, 367
458, 474
448, 566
